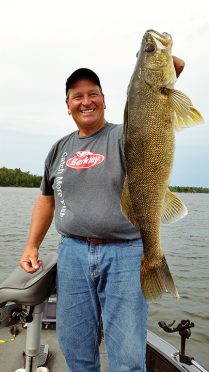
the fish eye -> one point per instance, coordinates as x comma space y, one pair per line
149, 47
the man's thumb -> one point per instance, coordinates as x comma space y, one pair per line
34, 263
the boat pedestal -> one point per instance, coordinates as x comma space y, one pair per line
33, 339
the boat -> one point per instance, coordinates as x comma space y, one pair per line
28, 301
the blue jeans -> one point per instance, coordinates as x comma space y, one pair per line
94, 280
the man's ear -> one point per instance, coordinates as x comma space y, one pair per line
104, 101
68, 108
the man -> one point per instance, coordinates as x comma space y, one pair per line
100, 251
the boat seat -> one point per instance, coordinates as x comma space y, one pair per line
30, 289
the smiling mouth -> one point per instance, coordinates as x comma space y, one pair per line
89, 111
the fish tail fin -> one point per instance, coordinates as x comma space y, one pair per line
155, 280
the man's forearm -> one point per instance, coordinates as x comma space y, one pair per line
42, 217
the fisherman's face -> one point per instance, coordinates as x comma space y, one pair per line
86, 104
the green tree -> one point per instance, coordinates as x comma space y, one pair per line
16, 177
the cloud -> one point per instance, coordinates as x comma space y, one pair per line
42, 42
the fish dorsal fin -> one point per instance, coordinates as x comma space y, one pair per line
185, 115
173, 208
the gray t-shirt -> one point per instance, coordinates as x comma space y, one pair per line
86, 175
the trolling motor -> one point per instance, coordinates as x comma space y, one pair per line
22, 297
184, 329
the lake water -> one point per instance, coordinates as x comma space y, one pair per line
186, 244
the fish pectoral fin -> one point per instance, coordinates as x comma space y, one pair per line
156, 280
173, 208
126, 205
185, 115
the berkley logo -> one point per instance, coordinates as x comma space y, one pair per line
84, 159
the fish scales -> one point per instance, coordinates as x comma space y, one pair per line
153, 111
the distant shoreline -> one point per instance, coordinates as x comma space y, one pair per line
17, 178
189, 189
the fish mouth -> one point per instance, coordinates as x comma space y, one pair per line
162, 41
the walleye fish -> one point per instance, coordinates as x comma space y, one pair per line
154, 110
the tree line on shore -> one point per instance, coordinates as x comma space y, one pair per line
189, 189
17, 178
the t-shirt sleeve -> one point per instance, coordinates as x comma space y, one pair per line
51, 166
46, 183
46, 186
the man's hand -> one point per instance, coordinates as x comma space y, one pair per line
30, 261
42, 216
178, 64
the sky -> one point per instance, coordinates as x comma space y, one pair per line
44, 41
